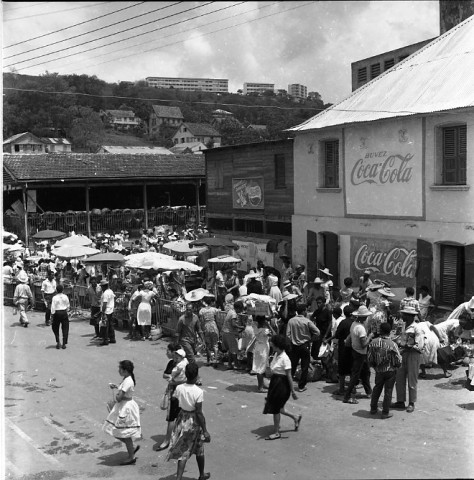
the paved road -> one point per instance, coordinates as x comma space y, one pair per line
55, 406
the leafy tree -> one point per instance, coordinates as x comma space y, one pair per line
87, 130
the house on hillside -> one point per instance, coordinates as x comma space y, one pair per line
134, 150
197, 132
24, 142
164, 115
386, 176
191, 147
120, 119
28, 143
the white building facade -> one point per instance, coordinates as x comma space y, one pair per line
250, 87
212, 85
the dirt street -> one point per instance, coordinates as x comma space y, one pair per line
55, 405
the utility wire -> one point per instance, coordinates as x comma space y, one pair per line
67, 28
96, 30
32, 90
107, 36
24, 6
181, 32
134, 36
58, 11
198, 36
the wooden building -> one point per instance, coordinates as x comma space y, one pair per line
250, 198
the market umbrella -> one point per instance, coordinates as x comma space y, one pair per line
183, 246
214, 242
74, 240
145, 260
73, 251
197, 294
224, 259
48, 234
17, 247
108, 257
9, 234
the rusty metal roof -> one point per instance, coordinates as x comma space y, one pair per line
438, 77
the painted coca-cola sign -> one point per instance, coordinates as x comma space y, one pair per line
392, 260
384, 169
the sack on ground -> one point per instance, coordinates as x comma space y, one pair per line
315, 372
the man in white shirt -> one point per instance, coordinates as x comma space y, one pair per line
59, 308
48, 289
106, 324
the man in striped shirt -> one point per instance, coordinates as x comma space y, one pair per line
383, 355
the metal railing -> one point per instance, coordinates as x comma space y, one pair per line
104, 221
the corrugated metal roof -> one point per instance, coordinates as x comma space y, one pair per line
16, 137
56, 141
438, 77
98, 167
140, 149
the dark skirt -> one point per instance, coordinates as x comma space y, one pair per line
173, 410
344, 366
279, 392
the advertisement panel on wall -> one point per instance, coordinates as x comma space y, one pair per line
392, 260
384, 169
248, 193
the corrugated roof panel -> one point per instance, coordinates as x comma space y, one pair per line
438, 77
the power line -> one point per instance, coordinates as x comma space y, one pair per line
67, 28
184, 31
201, 35
134, 36
33, 90
26, 6
95, 30
58, 11
106, 36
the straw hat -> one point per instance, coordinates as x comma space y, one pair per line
375, 286
287, 283
22, 277
288, 296
362, 311
104, 282
386, 292
326, 271
409, 310
196, 295
317, 280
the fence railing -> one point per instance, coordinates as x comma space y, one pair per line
104, 221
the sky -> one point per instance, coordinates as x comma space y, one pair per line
310, 43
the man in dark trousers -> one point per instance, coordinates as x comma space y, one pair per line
107, 332
187, 331
301, 331
384, 357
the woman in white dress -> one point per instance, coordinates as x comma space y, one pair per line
275, 291
144, 310
261, 351
123, 421
426, 303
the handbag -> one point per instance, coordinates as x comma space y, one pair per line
165, 400
323, 351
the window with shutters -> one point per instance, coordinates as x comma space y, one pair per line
451, 274
454, 150
280, 179
331, 164
362, 75
374, 70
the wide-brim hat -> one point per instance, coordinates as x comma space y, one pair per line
374, 286
362, 311
287, 283
181, 353
196, 295
326, 271
409, 310
386, 292
104, 282
317, 280
22, 277
288, 296
471, 303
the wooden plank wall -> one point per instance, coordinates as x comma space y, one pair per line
250, 161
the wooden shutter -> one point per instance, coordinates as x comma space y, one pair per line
454, 154
468, 272
424, 264
331, 164
311, 255
449, 281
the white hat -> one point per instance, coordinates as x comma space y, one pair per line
471, 303
326, 271
317, 280
409, 310
196, 294
181, 353
22, 277
362, 311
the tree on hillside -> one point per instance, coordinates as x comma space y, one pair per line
87, 130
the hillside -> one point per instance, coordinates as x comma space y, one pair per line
69, 106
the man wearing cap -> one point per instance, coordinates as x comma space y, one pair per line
411, 344
22, 297
301, 331
384, 357
106, 329
187, 330
359, 341
48, 289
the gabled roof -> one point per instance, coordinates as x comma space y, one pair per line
192, 146
56, 141
202, 129
438, 77
120, 113
19, 136
99, 167
136, 150
164, 111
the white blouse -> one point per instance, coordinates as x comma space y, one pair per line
280, 364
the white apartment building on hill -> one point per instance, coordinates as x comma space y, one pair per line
212, 85
297, 91
258, 87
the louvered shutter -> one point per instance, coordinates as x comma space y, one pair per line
468, 271
424, 263
462, 153
331, 164
449, 274
311, 255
